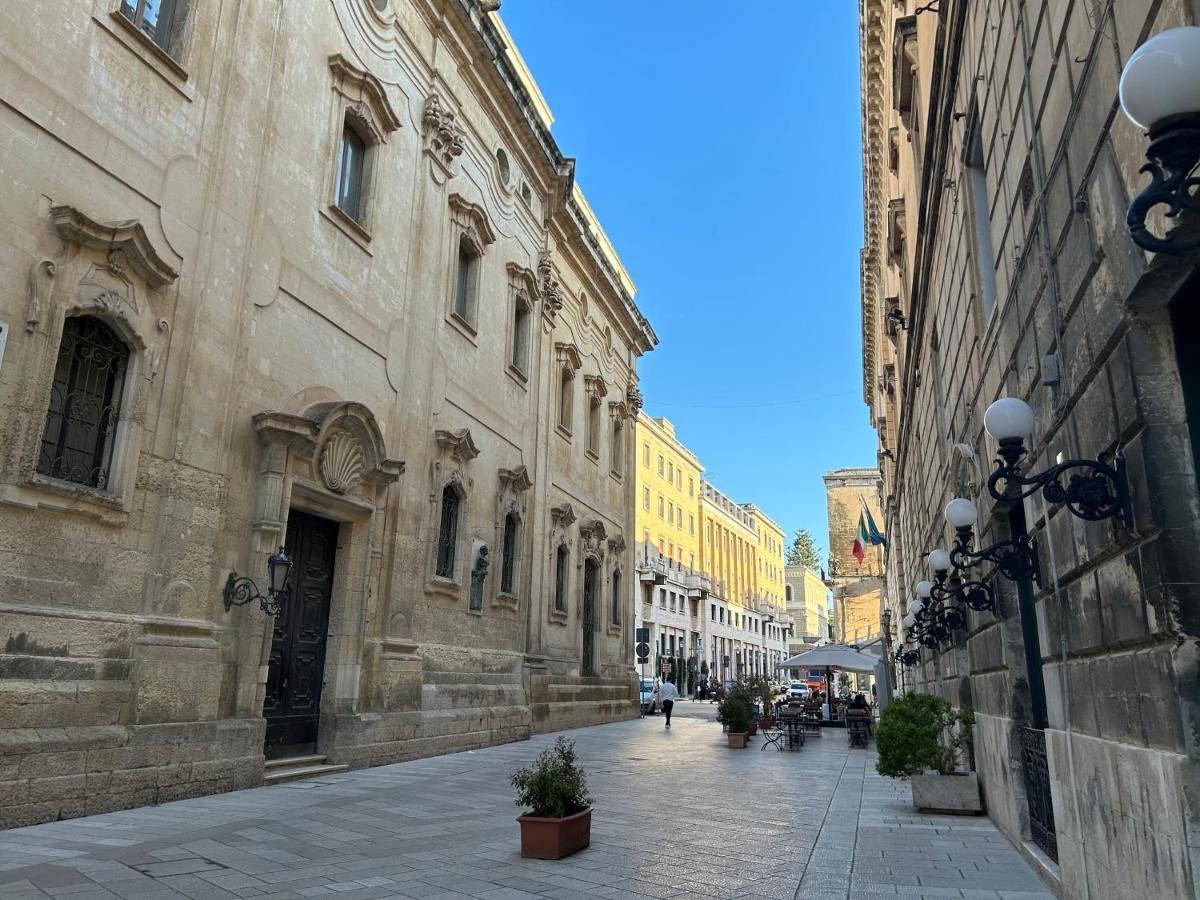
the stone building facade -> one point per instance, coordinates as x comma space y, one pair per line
997, 262
312, 275
857, 586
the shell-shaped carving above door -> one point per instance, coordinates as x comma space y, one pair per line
342, 462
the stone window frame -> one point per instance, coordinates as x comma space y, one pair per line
469, 230
562, 518
111, 272
975, 177
455, 450
595, 389
522, 290
619, 414
593, 543
615, 621
360, 102
169, 64
568, 362
514, 485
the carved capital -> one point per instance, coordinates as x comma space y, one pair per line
443, 135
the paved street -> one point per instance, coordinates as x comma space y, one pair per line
677, 814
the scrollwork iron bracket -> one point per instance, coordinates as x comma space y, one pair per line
1016, 559
241, 590
1173, 153
1094, 491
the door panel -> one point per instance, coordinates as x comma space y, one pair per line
297, 661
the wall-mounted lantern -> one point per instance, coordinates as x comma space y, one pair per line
1016, 559
1160, 92
240, 590
1095, 490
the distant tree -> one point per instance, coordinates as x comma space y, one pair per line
803, 551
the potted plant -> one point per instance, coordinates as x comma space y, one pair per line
554, 791
922, 738
765, 694
734, 713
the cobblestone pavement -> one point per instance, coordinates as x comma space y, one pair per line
677, 814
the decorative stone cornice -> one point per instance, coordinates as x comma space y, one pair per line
472, 217
563, 516
568, 355
617, 544
618, 410
366, 96
127, 239
595, 386
457, 444
874, 103
516, 480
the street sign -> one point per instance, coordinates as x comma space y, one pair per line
642, 635
643, 651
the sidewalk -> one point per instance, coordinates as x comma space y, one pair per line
677, 814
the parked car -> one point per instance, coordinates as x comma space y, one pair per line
649, 696
798, 690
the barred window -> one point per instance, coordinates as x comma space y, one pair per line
616, 597
159, 20
448, 532
562, 560
508, 566
85, 402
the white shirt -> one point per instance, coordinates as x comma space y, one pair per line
668, 691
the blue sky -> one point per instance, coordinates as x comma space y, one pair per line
719, 145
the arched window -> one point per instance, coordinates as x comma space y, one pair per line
616, 597
508, 565
447, 546
561, 562
85, 403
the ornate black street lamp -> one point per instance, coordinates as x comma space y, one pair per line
1094, 491
972, 593
240, 589
1016, 559
1160, 92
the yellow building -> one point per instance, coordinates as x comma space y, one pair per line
770, 565
668, 490
808, 602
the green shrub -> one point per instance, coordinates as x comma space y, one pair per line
736, 707
554, 786
918, 732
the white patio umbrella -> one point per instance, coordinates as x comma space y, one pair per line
838, 656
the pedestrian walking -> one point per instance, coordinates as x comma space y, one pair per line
668, 697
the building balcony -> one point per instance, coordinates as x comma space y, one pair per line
698, 586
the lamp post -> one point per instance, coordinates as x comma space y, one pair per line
240, 589
1095, 490
1160, 92
1016, 559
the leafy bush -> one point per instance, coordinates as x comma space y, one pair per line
736, 707
554, 786
918, 732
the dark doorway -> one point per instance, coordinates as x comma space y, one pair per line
296, 669
591, 579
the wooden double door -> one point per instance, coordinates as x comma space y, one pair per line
295, 672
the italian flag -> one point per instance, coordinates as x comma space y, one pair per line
861, 540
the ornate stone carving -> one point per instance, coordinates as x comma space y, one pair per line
342, 462
155, 353
458, 444
618, 410
592, 539
128, 236
443, 134
633, 397
516, 481
568, 355
41, 276
595, 386
472, 218
617, 544
551, 289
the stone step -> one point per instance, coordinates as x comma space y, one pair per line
280, 771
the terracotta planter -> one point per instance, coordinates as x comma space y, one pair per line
737, 739
752, 729
545, 838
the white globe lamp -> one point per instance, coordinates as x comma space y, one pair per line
924, 589
961, 513
939, 561
1009, 419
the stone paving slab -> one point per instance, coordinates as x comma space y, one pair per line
677, 814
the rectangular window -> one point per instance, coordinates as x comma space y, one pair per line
670, 471
661, 464
646, 499
159, 20
671, 513
691, 523
348, 191
981, 220
691, 487
618, 447
713, 607
646, 455
566, 388
661, 507
593, 429
520, 340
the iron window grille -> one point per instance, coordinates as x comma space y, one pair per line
448, 532
616, 598
159, 20
560, 579
508, 566
85, 400
587, 663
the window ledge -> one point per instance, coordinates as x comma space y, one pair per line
140, 45
348, 227
592, 455
446, 586
517, 375
465, 328
506, 601
40, 492
558, 616
619, 478
563, 432
614, 630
